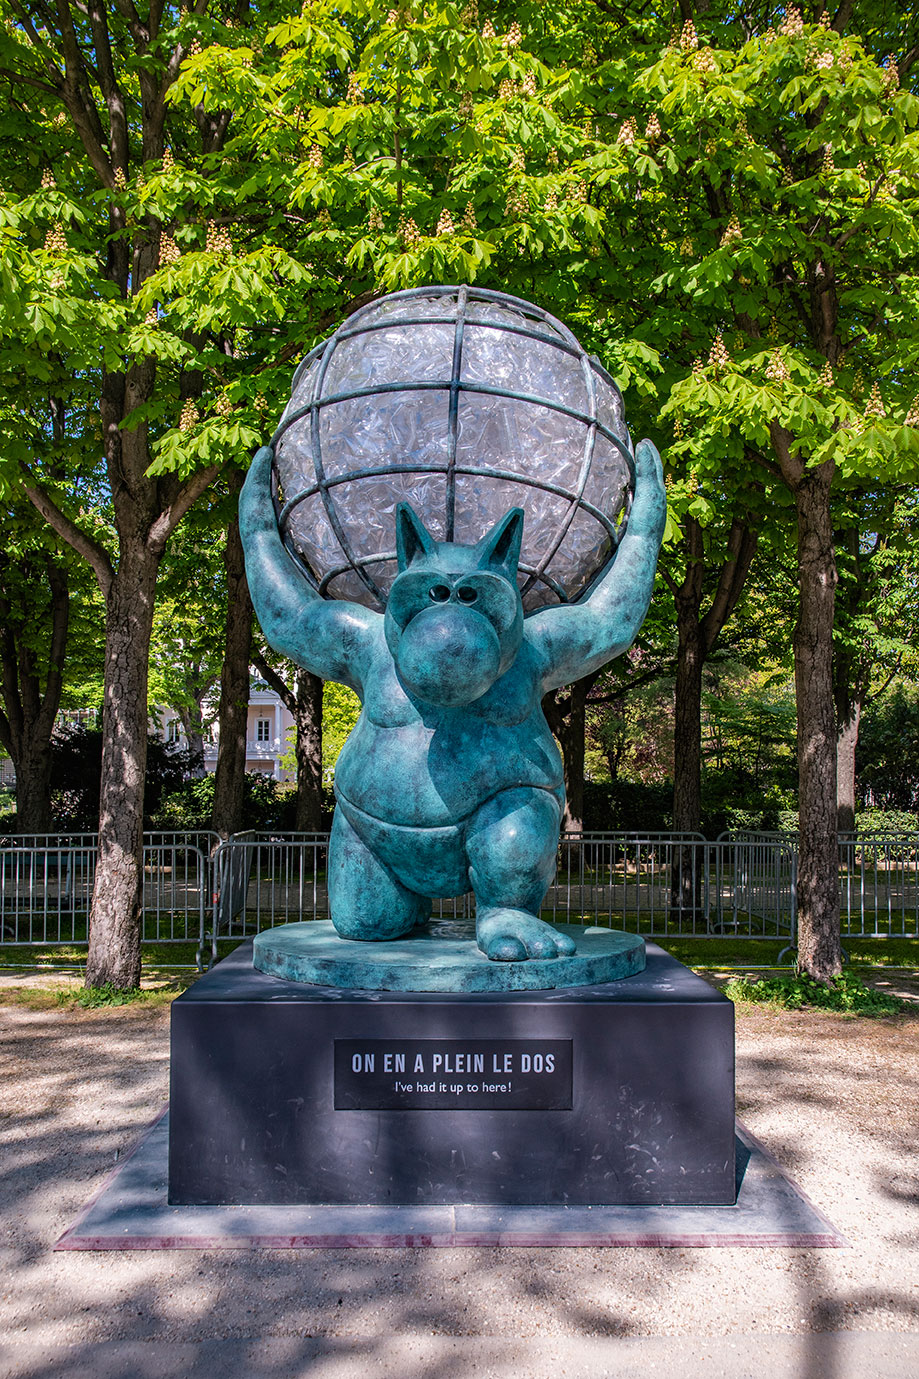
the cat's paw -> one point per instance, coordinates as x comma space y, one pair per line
506, 935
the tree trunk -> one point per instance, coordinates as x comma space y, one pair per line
308, 720
145, 507
566, 714
819, 942
687, 731
304, 704
196, 752
33, 787
686, 873
230, 782
114, 929
191, 719
851, 670
573, 747
30, 708
846, 743
697, 637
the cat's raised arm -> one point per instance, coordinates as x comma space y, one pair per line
331, 638
578, 638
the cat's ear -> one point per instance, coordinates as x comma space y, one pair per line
413, 540
499, 550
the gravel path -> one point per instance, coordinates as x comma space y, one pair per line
835, 1099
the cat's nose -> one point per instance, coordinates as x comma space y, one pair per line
449, 654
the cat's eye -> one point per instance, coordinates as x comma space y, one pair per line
439, 593
466, 595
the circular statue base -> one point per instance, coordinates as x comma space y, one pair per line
442, 956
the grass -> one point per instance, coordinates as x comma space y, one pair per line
711, 951
168, 968
82, 998
719, 952
848, 994
155, 957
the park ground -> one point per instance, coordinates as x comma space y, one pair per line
834, 1098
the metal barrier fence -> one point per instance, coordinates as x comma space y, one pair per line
878, 878
198, 890
46, 886
661, 885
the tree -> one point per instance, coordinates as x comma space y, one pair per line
888, 749
652, 199
77, 753
697, 635
874, 634
566, 714
233, 716
791, 166
94, 106
188, 621
34, 625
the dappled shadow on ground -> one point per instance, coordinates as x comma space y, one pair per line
834, 1099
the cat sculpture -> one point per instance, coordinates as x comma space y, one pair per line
451, 780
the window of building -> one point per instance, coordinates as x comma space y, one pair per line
263, 730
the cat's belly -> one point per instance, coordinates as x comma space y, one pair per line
423, 777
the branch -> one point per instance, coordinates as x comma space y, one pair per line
176, 58
74, 92
854, 230
627, 686
734, 571
60, 621
892, 676
908, 60
162, 528
790, 468
108, 82
138, 33
55, 74
85, 545
669, 580
843, 15
769, 465
29, 81
271, 676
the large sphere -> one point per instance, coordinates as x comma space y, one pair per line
464, 403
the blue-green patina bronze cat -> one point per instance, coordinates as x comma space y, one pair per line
451, 780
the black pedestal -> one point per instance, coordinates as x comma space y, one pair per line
622, 1093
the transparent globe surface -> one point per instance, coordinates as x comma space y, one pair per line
464, 403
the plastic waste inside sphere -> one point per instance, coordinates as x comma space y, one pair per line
464, 403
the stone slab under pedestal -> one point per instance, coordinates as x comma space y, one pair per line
616, 1093
131, 1212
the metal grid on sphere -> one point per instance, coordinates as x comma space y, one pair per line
557, 335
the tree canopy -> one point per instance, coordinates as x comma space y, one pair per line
724, 211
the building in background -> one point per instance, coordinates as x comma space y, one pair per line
267, 733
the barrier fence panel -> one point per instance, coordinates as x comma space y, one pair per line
45, 893
879, 887
878, 879
659, 885
46, 886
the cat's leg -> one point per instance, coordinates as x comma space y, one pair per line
510, 846
365, 899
